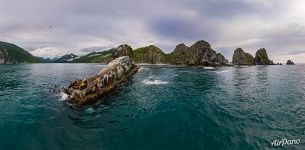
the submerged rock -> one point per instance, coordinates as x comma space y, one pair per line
242, 58
290, 62
89, 90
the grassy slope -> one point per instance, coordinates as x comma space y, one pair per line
143, 55
18, 53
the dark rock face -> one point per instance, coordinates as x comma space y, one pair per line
123, 50
261, 58
290, 62
5, 58
85, 91
13, 54
242, 58
150, 54
199, 53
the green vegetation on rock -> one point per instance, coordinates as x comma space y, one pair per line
150, 54
199, 54
261, 57
242, 58
13, 54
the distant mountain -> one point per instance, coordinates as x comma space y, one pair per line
12, 54
68, 58
96, 57
44, 60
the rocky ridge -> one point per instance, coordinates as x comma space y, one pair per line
86, 91
242, 58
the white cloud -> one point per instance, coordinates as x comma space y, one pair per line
278, 26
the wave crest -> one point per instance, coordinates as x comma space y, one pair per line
153, 82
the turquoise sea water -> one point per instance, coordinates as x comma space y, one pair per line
159, 108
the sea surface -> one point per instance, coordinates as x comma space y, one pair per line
159, 108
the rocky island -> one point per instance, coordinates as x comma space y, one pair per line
199, 54
242, 58
290, 62
86, 91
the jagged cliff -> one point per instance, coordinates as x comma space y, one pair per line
242, 58
261, 58
199, 53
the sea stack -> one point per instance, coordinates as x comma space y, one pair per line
290, 62
89, 90
199, 54
242, 58
261, 58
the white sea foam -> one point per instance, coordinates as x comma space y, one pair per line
209, 68
224, 71
90, 110
63, 96
153, 82
143, 69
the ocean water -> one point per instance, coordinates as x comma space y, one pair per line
157, 109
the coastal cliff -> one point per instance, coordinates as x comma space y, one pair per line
242, 58
12, 54
199, 54
85, 91
261, 58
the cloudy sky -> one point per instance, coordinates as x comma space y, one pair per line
53, 28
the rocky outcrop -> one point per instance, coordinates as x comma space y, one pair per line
5, 58
261, 58
150, 54
198, 54
290, 62
85, 91
242, 58
123, 50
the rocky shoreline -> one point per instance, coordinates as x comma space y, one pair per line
86, 91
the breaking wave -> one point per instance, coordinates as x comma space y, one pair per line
143, 69
209, 68
63, 96
153, 82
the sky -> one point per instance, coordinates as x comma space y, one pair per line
53, 28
